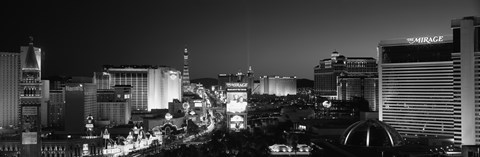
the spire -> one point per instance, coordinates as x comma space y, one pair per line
31, 59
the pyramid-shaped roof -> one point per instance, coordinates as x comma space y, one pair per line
31, 59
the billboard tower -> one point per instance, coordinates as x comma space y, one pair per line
237, 105
30, 100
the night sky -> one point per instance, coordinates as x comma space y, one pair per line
276, 37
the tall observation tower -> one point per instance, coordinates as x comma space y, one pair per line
186, 75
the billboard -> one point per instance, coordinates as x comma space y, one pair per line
197, 103
236, 87
236, 102
30, 124
29, 137
237, 122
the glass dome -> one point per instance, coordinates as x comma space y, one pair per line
371, 133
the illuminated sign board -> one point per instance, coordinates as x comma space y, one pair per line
237, 122
236, 85
236, 118
236, 102
29, 137
85, 150
425, 40
198, 103
89, 126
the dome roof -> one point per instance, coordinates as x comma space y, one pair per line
371, 133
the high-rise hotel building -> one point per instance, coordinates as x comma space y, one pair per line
9, 88
466, 80
429, 85
279, 86
152, 86
334, 74
416, 84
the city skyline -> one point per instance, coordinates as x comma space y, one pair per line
222, 37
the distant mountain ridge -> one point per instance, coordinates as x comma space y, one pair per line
304, 83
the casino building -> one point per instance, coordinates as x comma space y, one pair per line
153, 87
466, 81
328, 70
416, 85
278, 86
347, 78
427, 85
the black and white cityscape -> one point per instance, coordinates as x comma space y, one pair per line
244, 78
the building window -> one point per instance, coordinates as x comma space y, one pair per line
456, 40
477, 41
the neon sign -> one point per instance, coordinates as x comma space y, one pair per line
425, 40
236, 85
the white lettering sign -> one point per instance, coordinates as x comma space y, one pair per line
425, 40
237, 85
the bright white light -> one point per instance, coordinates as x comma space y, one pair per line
327, 104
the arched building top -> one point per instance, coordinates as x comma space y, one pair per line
371, 133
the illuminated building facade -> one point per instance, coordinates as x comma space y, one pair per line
30, 99
136, 76
186, 73
279, 86
59, 147
327, 72
9, 84
237, 105
466, 83
152, 86
416, 86
165, 85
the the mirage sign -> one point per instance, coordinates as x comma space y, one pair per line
425, 40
